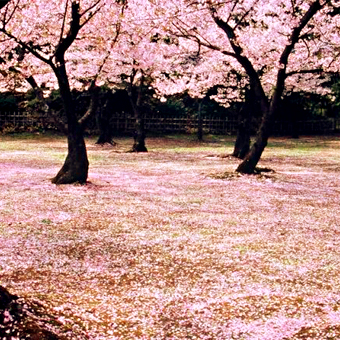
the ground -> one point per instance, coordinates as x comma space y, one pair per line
169, 245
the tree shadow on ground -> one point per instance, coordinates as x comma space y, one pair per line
260, 173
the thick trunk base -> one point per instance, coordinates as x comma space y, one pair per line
72, 173
139, 147
248, 166
139, 137
76, 166
102, 139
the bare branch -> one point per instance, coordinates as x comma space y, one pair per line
232, 10
72, 33
94, 91
7, 19
295, 36
46, 108
91, 14
63, 24
242, 18
26, 46
113, 42
90, 8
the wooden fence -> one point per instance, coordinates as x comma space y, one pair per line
176, 124
172, 124
16, 118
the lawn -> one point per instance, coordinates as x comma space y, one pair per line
169, 245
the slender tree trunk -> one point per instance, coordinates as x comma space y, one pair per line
135, 100
250, 161
139, 134
242, 143
75, 168
103, 124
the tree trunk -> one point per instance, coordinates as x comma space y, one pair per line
248, 165
103, 124
242, 143
250, 108
136, 97
139, 135
76, 165
105, 135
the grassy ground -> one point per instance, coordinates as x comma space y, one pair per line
166, 245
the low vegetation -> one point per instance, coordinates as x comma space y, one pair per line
168, 245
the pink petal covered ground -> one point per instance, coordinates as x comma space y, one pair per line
165, 245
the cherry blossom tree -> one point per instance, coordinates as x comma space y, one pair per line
59, 38
275, 42
141, 56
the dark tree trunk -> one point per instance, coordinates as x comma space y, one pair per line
103, 124
139, 135
135, 96
251, 108
76, 165
248, 165
105, 134
242, 143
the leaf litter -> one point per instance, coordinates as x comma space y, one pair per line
162, 246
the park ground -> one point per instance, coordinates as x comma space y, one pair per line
170, 244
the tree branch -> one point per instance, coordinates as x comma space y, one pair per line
63, 24
91, 14
295, 36
26, 46
72, 33
200, 40
46, 108
318, 70
90, 8
94, 91
243, 60
5, 20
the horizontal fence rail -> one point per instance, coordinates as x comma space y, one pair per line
16, 118
176, 124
